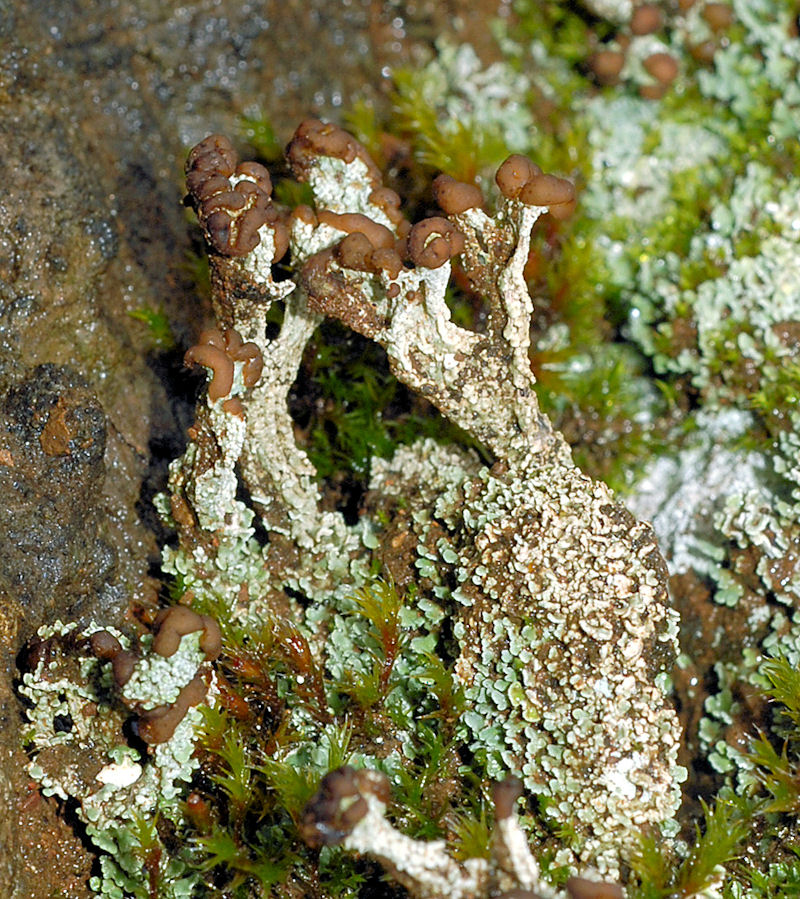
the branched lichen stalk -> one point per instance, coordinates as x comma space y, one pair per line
557, 597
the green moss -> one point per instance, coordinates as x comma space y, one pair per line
778, 775
363, 121
716, 843
380, 606
427, 789
784, 687
592, 384
259, 132
472, 834
355, 390
768, 802
565, 30
691, 193
462, 151
778, 394
354, 408
283, 722
254, 807
574, 284
292, 193
159, 329
780, 879
561, 145
448, 693
198, 270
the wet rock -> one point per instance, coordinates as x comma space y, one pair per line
52, 443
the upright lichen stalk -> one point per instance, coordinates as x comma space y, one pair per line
556, 596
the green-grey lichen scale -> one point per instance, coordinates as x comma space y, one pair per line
566, 639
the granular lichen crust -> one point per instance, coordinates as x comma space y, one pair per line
82, 750
564, 633
565, 643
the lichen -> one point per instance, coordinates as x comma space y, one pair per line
560, 685
593, 576
82, 752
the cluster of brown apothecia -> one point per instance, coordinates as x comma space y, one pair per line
232, 198
157, 725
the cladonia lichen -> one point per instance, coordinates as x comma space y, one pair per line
554, 595
82, 750
545, 598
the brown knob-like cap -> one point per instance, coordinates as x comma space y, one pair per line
456, 196
434, 241
514, 174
